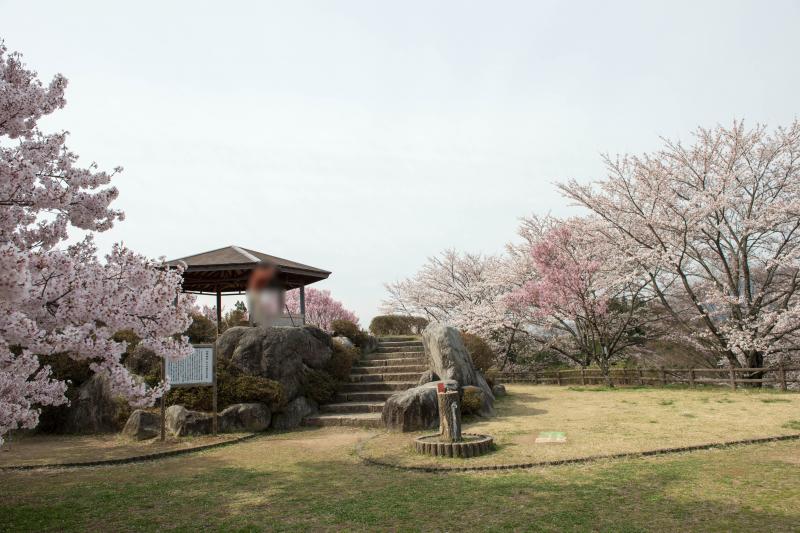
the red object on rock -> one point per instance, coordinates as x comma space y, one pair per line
441, 387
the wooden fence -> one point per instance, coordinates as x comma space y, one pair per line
778, 376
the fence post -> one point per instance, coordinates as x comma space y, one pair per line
733, 377
641, 376
663, 376
782, 376
535, 377
583, 377
558, 376
691, 377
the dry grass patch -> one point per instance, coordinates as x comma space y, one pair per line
60, 449
600, 421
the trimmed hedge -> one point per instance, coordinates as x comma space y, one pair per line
397, 325
349, 329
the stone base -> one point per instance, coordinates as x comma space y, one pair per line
472, 445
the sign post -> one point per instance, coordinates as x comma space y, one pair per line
195, 370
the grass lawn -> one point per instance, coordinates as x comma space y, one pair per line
311, 479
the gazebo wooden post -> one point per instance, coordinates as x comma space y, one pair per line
219, 311
303, 303
214, 422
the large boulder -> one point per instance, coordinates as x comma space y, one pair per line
448, 358
294, 413
142, 425
96, 409
343, 342
279, 353
427, 377
181, 422
250, 417
414, 409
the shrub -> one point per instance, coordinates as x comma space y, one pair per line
232, 387
251, 389
480, 352
349, 329
201, 330
471, 401
341, 362
397, 325
319, 386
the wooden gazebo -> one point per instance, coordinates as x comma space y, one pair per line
226, 271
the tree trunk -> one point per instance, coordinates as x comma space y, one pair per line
755, 359
606, 375
449, 416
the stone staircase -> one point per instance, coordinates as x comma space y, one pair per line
397, 365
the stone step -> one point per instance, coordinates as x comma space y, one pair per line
388, 369
352, 407
392, 355
365, 420
389, 344
394, 361
390, 349
380, 396
396, 338
398, 376
377, 386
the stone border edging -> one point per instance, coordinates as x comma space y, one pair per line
133, 459
559, 462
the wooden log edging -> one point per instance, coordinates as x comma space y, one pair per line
133, 459
359, 450
431, 445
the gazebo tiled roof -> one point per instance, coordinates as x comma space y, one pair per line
227, 270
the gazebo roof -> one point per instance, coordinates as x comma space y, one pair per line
227, 270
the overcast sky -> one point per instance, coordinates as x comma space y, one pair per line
362, 137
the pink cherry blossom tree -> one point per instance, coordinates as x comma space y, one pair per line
715, 225
321, 308
583, 301
65, 300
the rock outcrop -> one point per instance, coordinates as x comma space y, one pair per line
414, 409
181, 422
250, 417
279, 353
294, 413
96, 409
142, 425
449, 360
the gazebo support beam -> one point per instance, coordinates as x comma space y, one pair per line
303, 302
219, 312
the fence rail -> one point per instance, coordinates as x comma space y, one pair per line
779, 376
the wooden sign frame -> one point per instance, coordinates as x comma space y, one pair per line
213, 385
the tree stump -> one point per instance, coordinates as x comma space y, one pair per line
449, 416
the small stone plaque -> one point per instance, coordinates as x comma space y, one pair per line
551, 436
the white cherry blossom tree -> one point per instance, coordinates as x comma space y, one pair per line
715, 224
